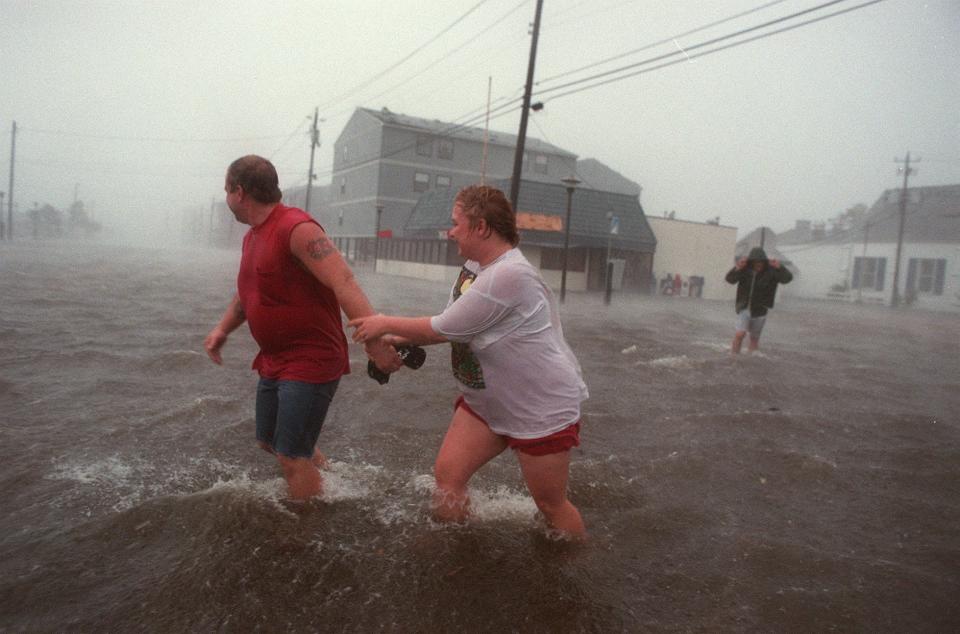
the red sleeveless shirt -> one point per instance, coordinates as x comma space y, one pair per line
292, 316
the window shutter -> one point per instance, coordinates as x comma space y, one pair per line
941, 273
881, 273
911, 275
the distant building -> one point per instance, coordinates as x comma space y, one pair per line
595, 175
390, 159
857, 263
692, 258
412, 168
425, 252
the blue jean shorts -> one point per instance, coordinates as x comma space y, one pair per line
753, 325
290, 414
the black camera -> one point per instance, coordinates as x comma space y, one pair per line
412, 357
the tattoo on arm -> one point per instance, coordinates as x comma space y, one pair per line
320, 248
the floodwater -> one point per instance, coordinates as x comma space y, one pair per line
812, 487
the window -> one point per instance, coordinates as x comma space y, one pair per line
344, 155
421, 182
926, 275
540, 164
424, 145
445, 149
526, 161
868, 273
343, 186
443, 182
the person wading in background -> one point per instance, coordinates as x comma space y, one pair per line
756, 279
290, 290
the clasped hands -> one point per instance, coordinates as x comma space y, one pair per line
369, 331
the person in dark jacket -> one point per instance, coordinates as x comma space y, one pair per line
756, 278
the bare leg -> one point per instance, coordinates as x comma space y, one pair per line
468, 445
303, 479
737, 341
546, 478
754, 344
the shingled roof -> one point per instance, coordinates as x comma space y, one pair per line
589, 226
932, 215
447, 129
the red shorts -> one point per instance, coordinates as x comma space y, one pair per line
562, 440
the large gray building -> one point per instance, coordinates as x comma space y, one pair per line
541, 215
390, 159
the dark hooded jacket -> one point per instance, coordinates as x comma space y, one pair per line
757, 290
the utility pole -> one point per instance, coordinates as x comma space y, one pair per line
571, 183
376, 241
3, 225
314, 142
895, 299
486, 134
13, 153
525, 113
863, 261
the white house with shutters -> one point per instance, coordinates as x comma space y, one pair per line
858, 263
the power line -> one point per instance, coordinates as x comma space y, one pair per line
113, 137
287, 140
443, 58
377, 76
665, 40
688, 57
684, 51
458, 127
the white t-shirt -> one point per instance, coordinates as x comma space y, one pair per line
514, 368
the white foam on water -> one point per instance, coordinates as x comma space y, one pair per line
629, 349
502, 504
273, 489
348, 481
106, 471
713, 345
109, 477
680, 362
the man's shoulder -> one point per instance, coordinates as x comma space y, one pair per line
285, 212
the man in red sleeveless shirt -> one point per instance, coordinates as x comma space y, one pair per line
290, 290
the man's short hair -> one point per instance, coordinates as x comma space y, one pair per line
489, 203
257, 176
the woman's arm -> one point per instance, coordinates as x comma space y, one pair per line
416, 330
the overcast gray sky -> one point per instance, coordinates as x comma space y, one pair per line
137, 107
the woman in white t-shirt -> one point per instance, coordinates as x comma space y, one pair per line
520, 383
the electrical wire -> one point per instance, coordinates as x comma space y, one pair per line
688, 57
666, 40
114, 137
377, 76
443, 58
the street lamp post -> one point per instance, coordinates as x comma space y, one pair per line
571, 183
376, 241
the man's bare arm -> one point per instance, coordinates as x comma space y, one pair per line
320, 256
232, 318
